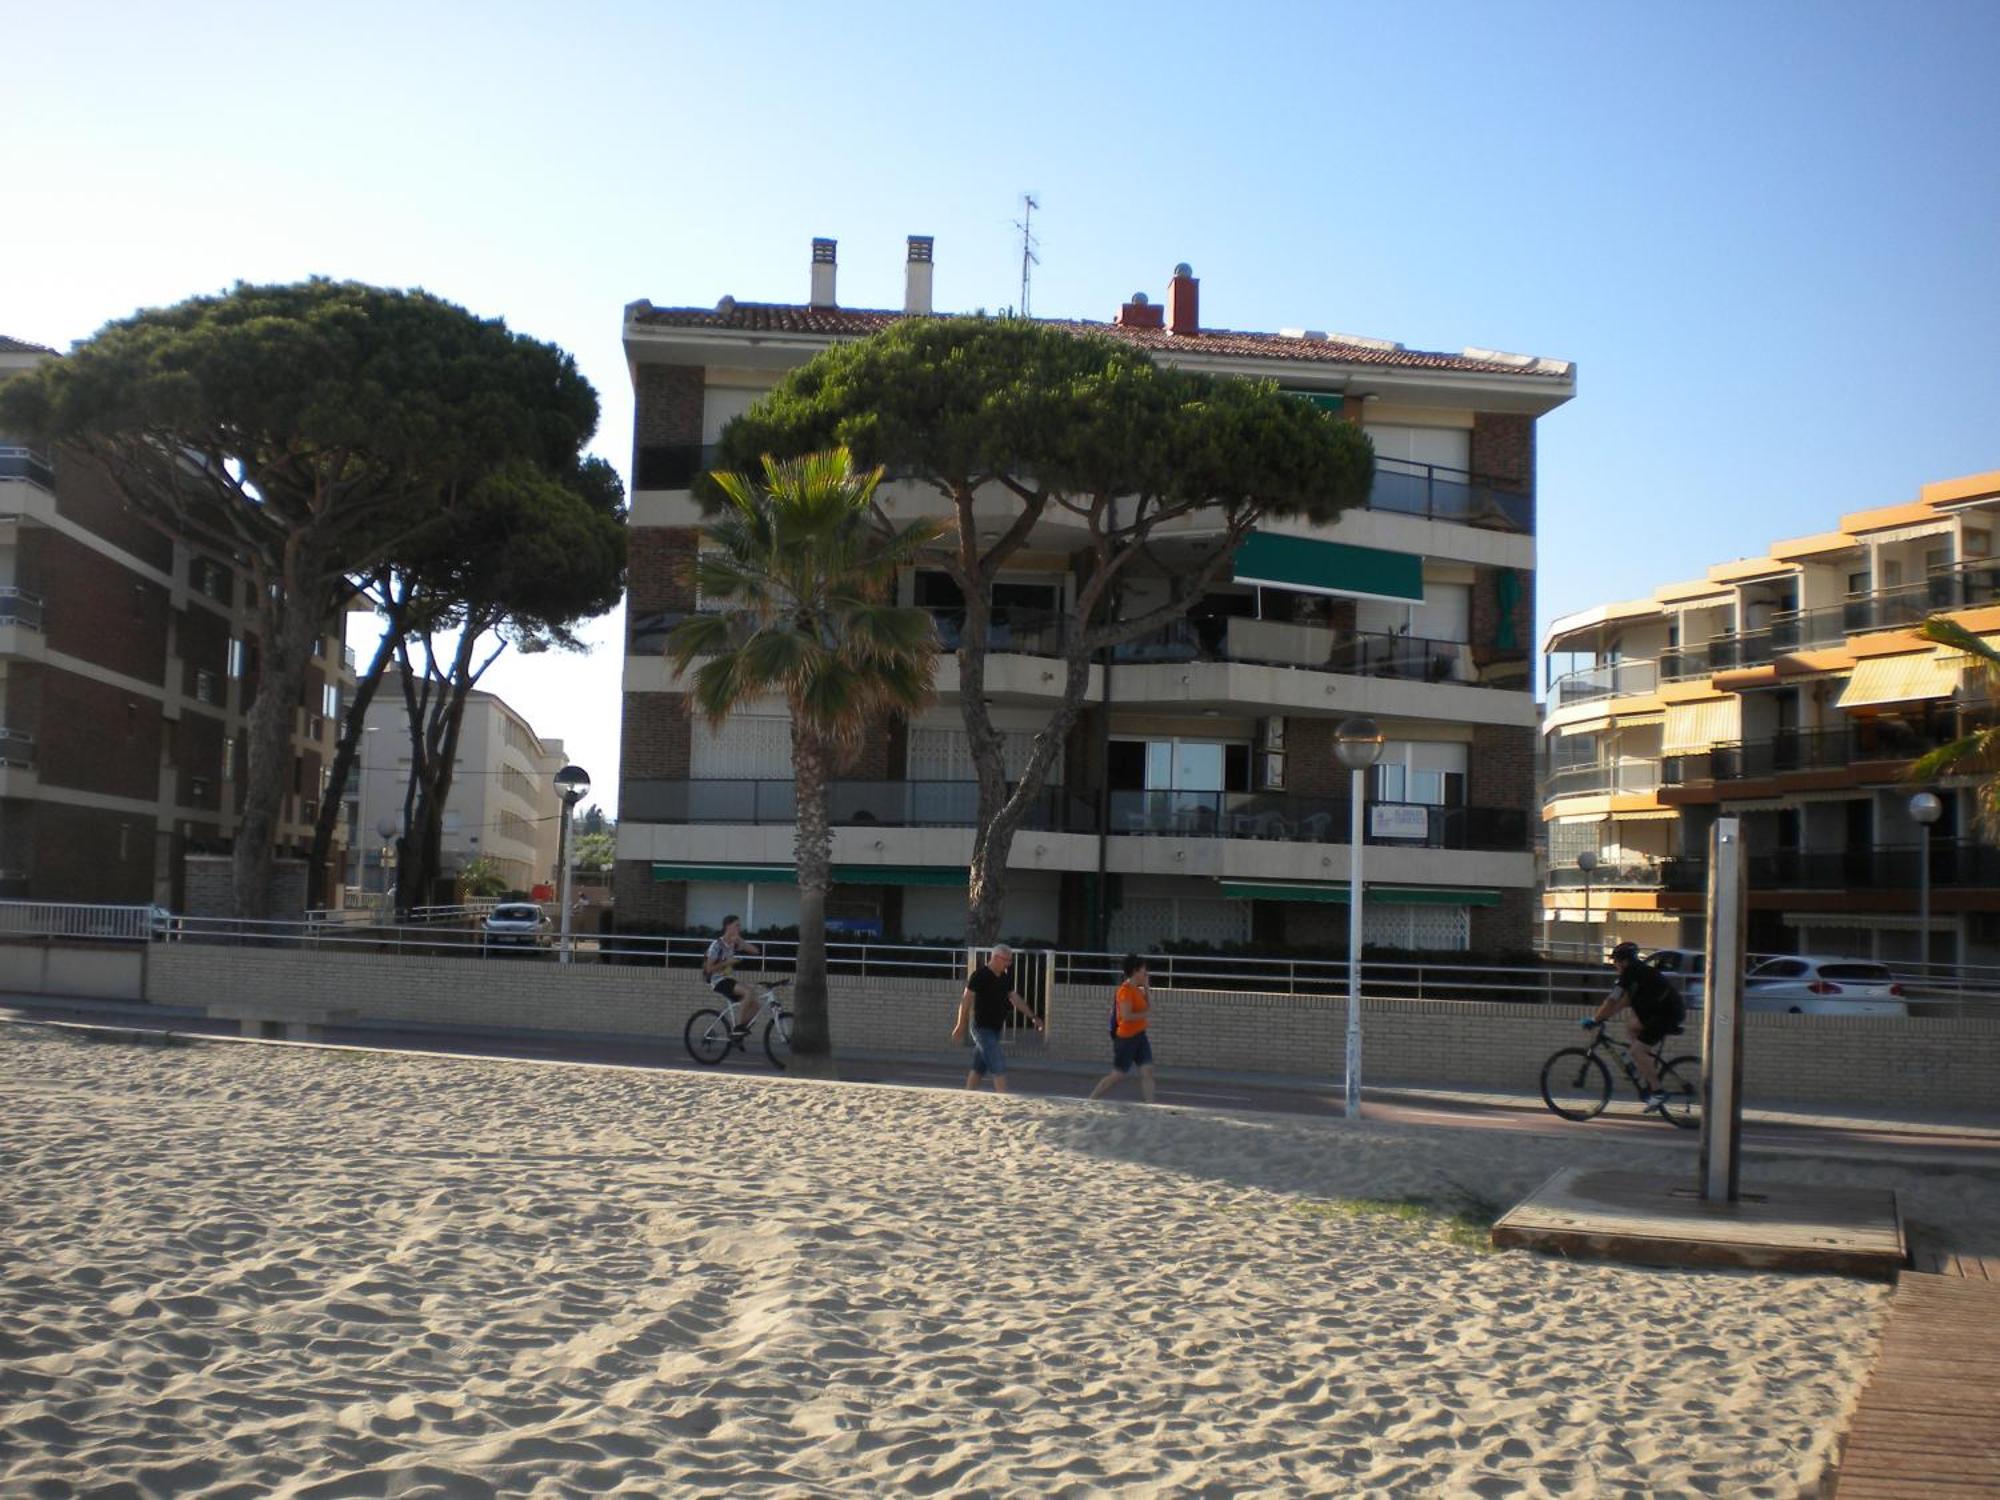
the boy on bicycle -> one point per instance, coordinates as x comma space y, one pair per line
1657, 1013
719, 966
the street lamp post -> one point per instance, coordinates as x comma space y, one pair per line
1586, 862
386, 828
572, 785
1925, 809
1358, 743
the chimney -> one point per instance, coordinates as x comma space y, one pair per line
1140, 313
1184, 301
823, 269
917, 276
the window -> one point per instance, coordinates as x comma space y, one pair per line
1432, 773
329, 701
206, 688
198, 791
1177, 765
239, 657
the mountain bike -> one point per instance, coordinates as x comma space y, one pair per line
712, 1035
1577, 1085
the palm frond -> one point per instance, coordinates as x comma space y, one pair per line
1948, 632
698, 635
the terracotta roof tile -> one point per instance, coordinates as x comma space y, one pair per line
838, 322
20, 346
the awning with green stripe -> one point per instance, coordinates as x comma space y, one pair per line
1336, 891
1315, 567
938, 875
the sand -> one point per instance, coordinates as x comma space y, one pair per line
250, 1270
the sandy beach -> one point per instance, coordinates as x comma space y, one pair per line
238, 1270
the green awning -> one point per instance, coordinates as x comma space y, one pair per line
938, 875
1336, 891
1324, 400
1315, 567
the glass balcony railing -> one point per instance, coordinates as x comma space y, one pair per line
19, 607
1610, 679
1658, 874
20, 462
1440, 494
1862, 742
1598, 777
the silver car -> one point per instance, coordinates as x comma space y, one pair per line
1820, 985
514, 926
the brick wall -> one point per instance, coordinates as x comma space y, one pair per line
1503, 450
97, 738
203, 639
667, 407
198, 757
1508, 927
91, 855
1501, 768
1312, 767
86, 494
644, 904
209, 884
1856, 1062
658, 576
94, 608
1501, 655
655, 738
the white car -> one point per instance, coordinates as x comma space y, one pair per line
1817, 985
519, 926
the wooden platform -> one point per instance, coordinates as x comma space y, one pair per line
1928, 1423
1606, 1215
1933, 1255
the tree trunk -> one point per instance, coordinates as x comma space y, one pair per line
288, 625
812, 1031
344, 756
434, 769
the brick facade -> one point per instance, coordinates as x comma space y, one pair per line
1501, 768
655, 740
86, 494
94, 608
1503, 451
644, 904
90, 854
1312, 766
1508, 927
97, 738
667, 403
661, 574
1503, 626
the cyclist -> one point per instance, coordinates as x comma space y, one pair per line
1657, 1012
719, 966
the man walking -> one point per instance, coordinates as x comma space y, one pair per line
989, 999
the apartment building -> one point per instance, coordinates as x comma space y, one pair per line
1199, 798
127, 664
1791, 691
503, 801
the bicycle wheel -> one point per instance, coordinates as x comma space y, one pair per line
1576, 1084
778, 1039
1680, 1080
707, 1037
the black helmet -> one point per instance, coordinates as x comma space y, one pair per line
1625, 953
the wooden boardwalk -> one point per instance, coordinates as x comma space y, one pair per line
1928, 1423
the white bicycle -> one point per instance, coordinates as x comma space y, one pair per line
712, 1035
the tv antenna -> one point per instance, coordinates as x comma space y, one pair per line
1028, 243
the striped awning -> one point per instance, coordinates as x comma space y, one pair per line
1696, 726
1901, 679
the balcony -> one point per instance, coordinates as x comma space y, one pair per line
1611, 679
17, 749
1955, 865
955, 804
1964, 585
1317, 648
1856, 743
19, 462
20, 608
1635, 777
1665, 874
1437, 494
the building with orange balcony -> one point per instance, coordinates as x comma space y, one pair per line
1792, 691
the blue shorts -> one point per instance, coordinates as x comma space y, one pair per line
1129, 1052
986, 1054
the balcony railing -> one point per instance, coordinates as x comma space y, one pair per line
1439, 494
955, 804
1664, 874
1611, 679
16, 748
19, 462
19, 607
1954, 864
1633, 776
1860, 742
1318, 648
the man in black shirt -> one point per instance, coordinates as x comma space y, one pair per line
983, 1009
1657, 1012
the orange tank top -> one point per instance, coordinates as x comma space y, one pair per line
1132, 1008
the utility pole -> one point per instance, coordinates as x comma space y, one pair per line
1028, 243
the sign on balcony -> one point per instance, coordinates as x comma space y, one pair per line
1399, 820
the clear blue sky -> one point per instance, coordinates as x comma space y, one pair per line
1767, 233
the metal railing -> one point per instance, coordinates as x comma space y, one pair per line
56, 919
20, 462
1440, 494
1414, 658
1291, 818
885, 804
16, 748
19, 607
1886, 743
1954, 864
1611, 679
1668, 873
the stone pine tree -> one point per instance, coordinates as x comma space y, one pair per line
308, 431
1015, 426
798, 587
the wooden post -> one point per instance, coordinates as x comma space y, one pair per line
1722, 1014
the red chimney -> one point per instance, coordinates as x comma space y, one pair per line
1141, 313
1184, 301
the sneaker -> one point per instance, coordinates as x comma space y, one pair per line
1655, 1100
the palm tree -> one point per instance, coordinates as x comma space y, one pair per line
1977, 752
797, 580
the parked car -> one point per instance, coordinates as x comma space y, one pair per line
1688, 969
1819, 985
514, 926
